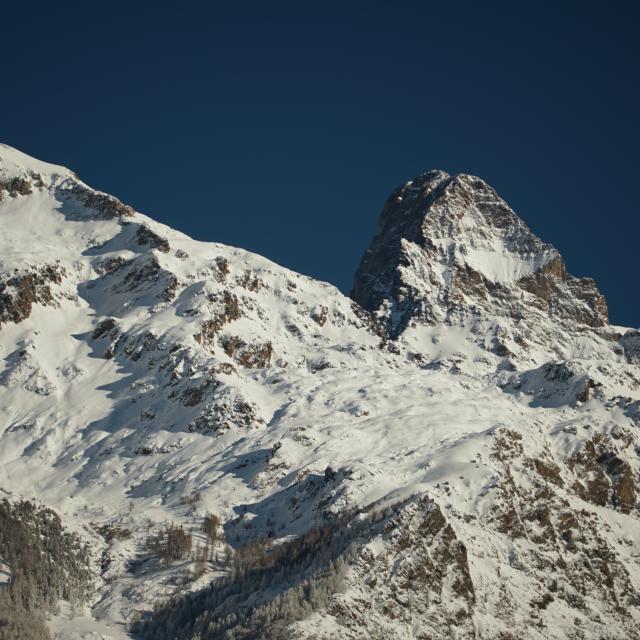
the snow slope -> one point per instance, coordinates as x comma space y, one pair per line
478, 392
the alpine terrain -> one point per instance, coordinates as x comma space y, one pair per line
196, 443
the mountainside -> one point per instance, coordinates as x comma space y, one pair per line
453, 453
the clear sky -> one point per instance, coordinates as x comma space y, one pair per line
282, 127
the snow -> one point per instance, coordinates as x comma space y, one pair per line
490, 253
391, 425
72, 625
5, 574
497, 264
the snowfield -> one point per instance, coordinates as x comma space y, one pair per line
473, 402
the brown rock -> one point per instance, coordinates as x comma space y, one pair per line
20, 292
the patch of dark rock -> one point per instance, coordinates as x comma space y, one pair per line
250, 281
251, 356
145, 236
210, 328
104, 327
106, 206
319, 314
222, 268
329, 474
18, 293
15, 187
549, 470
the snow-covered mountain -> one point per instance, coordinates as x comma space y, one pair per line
455, 449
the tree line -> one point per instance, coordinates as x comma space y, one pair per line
46, 564
268, 585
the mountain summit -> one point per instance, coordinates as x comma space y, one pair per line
246, 452
448, 248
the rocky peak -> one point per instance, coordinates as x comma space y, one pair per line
449, 249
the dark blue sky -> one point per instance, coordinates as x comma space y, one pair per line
282, 127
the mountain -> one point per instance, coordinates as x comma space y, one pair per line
452, 452
450, 251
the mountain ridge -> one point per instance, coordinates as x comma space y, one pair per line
470, 439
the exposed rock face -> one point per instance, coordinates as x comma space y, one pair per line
105, 206
224, 412
424, 573
14, 187
449, 249
144, 273
20, 291
226, 310
559, 549
252, 356
146, 236
603, 477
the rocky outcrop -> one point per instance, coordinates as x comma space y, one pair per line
145, 273
560, 551
602, 476
20, 290
14, 187
145, 236
224, 412
554, 384
449, 249
105, 206
225, 308
249, 355
423, 572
